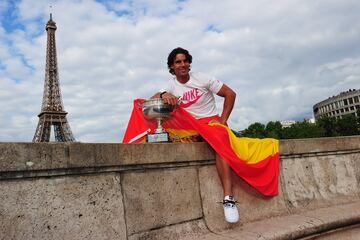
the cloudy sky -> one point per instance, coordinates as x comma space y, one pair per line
281, 57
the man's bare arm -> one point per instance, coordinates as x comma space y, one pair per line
229, 100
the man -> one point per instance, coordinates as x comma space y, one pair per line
196, 92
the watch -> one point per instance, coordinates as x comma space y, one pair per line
161, 94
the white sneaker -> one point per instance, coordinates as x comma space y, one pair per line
230, 210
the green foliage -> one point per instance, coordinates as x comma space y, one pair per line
255, 130
329, 126
324, 127
274, 130
347, 125
303, 130
259, 130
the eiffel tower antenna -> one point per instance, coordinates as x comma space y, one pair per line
52, 109
51, 11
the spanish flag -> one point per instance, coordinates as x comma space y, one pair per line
254, 160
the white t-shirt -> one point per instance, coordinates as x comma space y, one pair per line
197, 94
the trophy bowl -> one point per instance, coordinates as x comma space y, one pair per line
156, 109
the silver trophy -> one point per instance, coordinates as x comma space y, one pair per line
156, 109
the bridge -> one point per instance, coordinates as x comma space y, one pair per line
172, 191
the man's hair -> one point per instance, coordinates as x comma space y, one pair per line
172, 56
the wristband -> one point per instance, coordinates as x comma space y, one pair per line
161, 94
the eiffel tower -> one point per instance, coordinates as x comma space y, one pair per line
52, 109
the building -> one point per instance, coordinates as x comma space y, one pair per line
339, 105
287, 123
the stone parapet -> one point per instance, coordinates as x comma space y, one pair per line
163, 191
49, 159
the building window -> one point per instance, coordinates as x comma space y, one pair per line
356, 99
345, 102
350, 101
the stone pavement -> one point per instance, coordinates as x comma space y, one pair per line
292, 226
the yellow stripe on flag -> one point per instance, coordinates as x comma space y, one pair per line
251, 150
182, 133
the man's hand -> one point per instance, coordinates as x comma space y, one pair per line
223, 121
167, 97
170, 99
218, 121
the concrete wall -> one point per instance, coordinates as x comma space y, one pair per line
157, 191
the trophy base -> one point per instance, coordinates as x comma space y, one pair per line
157, 137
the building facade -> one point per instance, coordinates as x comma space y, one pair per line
337, 106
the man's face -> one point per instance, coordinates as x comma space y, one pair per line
181, 65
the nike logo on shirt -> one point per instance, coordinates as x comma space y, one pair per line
191, 97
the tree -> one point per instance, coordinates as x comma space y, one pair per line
329, 126
347, 125
324, 127
274, 130
303, 130
255, 130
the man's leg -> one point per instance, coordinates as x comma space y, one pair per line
224, 171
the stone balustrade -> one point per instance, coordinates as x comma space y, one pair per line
170, 191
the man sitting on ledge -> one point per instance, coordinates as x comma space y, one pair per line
196, 92
254, 160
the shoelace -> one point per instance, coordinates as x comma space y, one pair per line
229, 203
